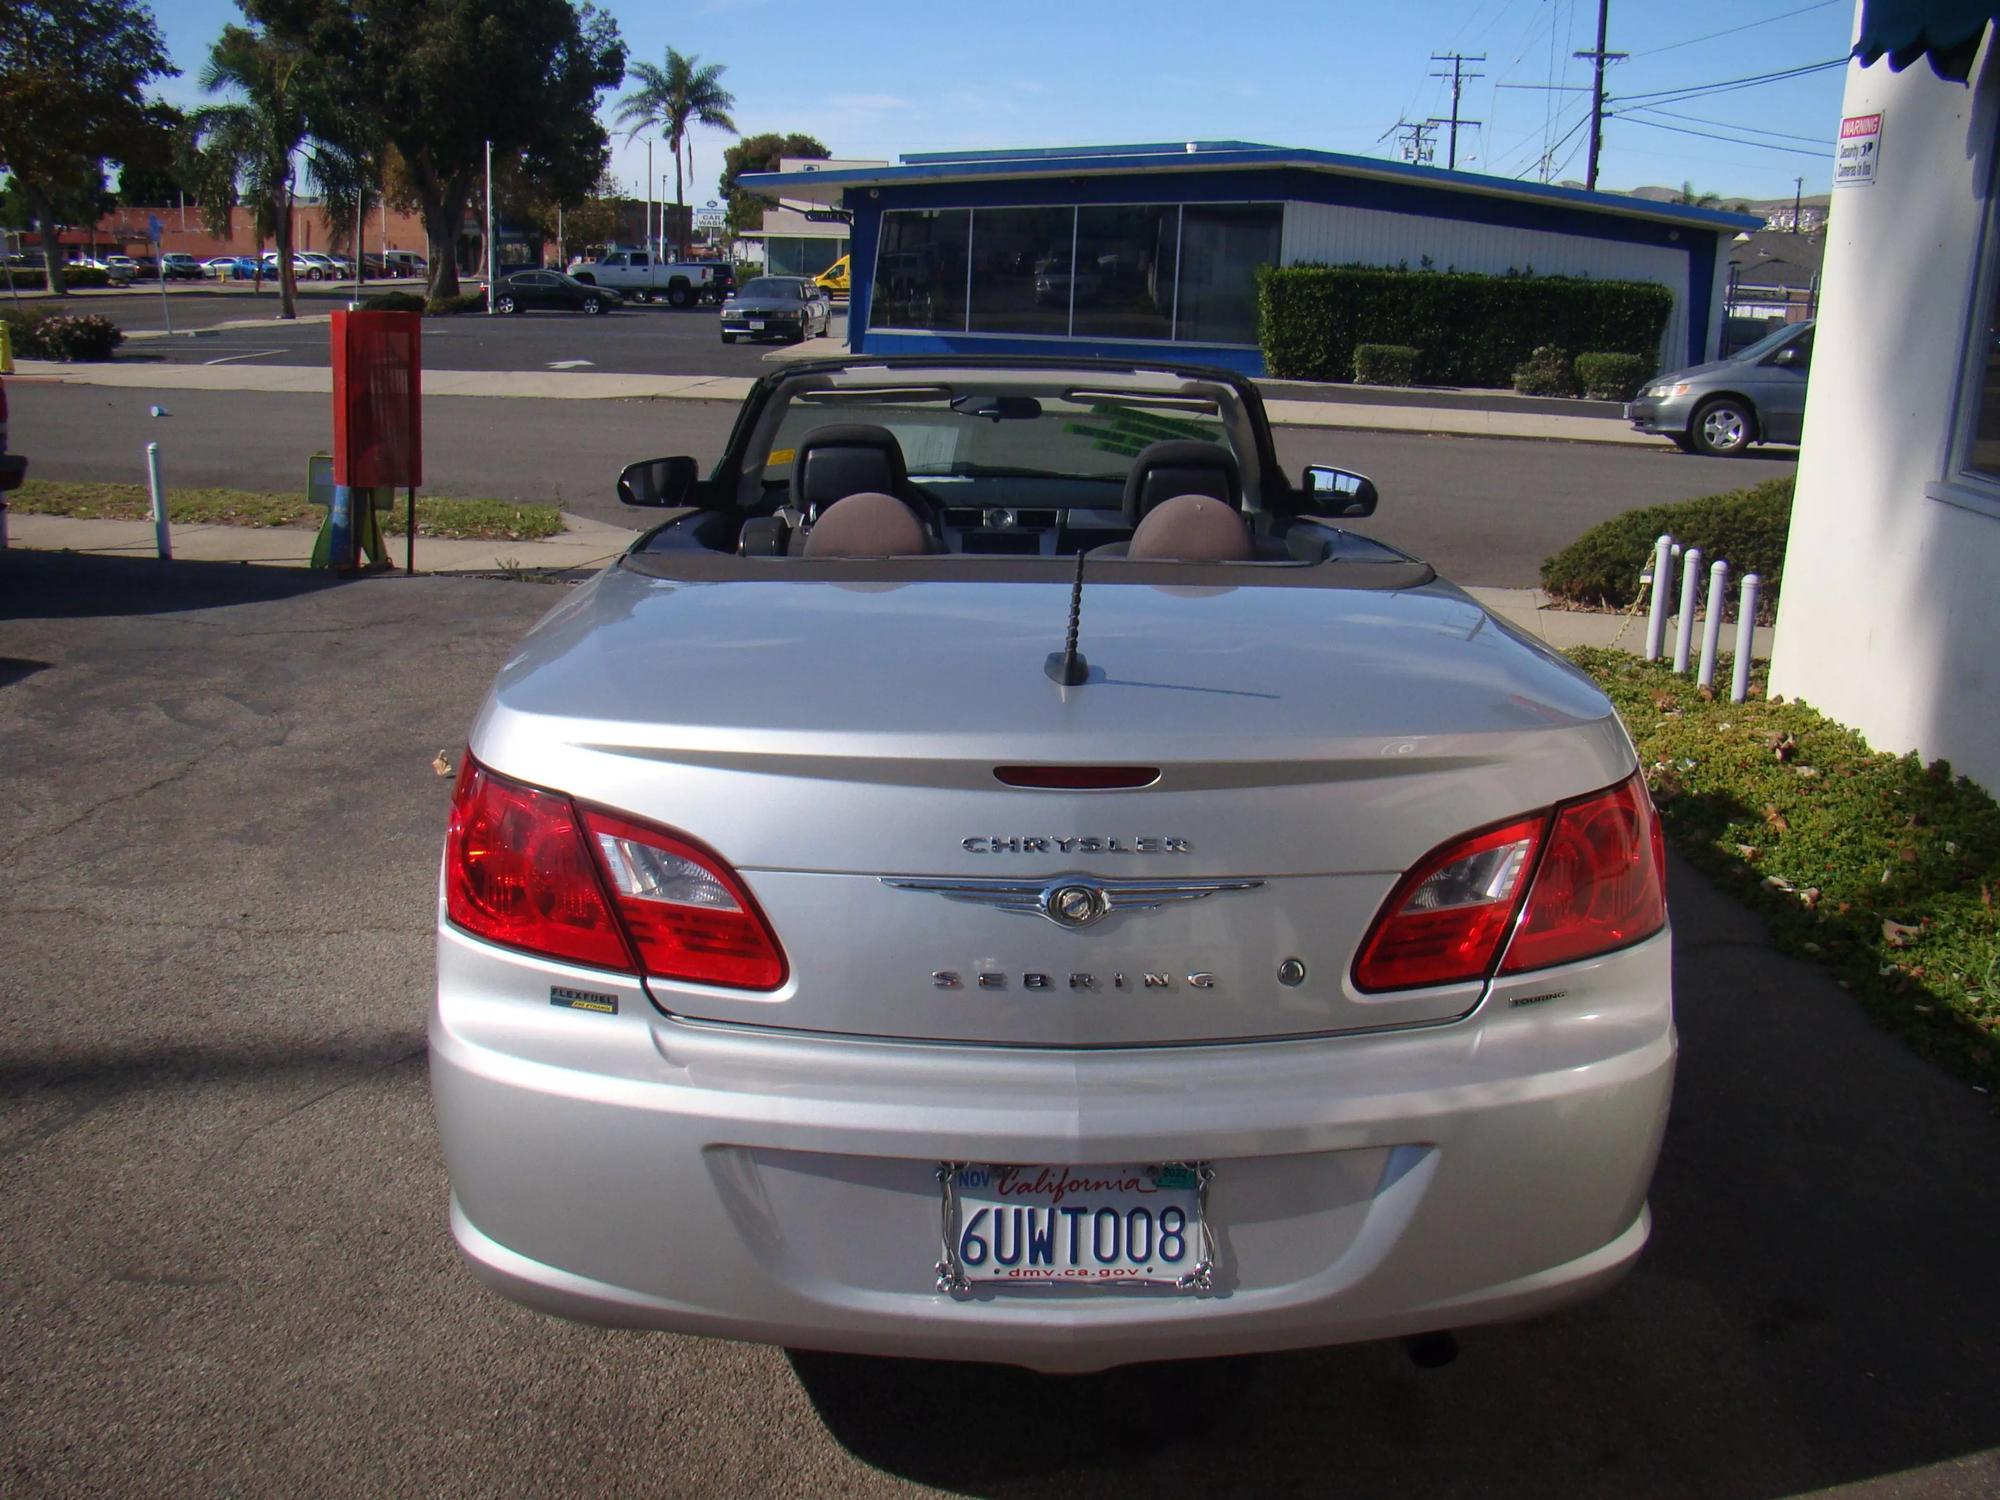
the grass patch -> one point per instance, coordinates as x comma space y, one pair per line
1747, 528
437, 515
1878, 867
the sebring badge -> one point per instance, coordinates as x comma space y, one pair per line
1072, 901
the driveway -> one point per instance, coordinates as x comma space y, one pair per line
225, 1267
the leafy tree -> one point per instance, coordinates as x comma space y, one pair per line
441, 78
1693, 199
149, 174
71, 75
672, 99
760, 153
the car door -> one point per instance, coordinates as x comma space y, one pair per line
544, 290
1780, 389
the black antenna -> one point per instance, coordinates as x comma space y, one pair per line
1066, 666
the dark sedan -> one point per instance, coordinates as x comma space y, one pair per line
781, 307
526, 289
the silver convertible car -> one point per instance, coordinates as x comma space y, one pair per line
1002, 873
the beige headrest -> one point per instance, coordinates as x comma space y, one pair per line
1191, 528
867, 524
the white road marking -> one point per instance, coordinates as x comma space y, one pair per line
253, 354
568, 364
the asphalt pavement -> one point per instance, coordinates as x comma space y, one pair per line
226, 1269
1483, 511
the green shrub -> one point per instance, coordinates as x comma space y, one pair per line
1385, 364
1548, 371
393, 302
464, 302
1747, 528
1613, 377
85, 276
22, 337
35, 279
78, 336
1473, 330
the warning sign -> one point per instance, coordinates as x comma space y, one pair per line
1860, 149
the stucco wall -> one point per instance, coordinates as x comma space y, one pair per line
1890, 619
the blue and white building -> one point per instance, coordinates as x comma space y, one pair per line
1151, 251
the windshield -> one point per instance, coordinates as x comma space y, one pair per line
1770, 342
771, 286
946, 435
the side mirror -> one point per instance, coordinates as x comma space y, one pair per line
1338, 492
658, 481
1787, 358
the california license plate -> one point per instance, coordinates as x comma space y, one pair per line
756, 323
1075, 1226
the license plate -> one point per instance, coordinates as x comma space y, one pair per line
1075, 1226
756, 323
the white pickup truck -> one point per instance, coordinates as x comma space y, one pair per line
642, 276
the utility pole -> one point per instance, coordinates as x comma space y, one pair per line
489, 228
1459, 79
1798, 190
1598, 58
1413, 140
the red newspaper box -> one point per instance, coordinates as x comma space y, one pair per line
378, 435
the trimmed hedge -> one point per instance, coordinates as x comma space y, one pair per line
48, 334
1613, 377
1473, 329
34, 279
1747, 528
464, 302
1546, 372
1385, 364
393, 302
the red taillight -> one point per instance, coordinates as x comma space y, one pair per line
517, 871
689, 914
1446, 919
1601, 885
524, 869
1586, 879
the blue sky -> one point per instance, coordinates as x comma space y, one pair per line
875, 78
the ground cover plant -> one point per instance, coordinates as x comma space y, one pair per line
1747, 528
1880, 868
51, 333
438, 516
1613, 377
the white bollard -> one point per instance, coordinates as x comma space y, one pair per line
1711, 625
1746, 622
1656, 623
161, 539
1690, 596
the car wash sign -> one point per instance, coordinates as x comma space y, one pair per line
1859, 152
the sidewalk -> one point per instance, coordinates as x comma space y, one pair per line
593, 385
586, 545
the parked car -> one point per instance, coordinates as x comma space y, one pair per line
230, 267
404, 263
177, 265
643, 276
1721, 408
311, 265
834, 279
775, 307
551, 289
981, 884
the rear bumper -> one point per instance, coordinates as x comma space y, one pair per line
635, 1171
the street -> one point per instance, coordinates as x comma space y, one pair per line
1483, 511
226, 1267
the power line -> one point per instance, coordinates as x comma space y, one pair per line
1732, 30
1733, 140
1459, 78
1783, 135
1696, 90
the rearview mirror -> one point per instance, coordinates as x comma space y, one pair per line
658, 481
1338, 492
998, 408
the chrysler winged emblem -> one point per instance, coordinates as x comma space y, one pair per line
1072, 901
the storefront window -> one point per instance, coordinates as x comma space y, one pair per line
1222, 244
801, 255
920, 269
1125, 262
1021, 270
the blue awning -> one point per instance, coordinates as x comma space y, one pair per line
1946, 32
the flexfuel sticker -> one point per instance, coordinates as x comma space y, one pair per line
569, 999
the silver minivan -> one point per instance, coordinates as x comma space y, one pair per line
1757, 395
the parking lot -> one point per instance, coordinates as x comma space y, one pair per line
226, 1268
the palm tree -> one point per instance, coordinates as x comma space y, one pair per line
672, 99
243, 150
1697, 200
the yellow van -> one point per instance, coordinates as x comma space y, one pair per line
834, 277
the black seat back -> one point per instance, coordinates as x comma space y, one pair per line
853, 458
1181, 467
